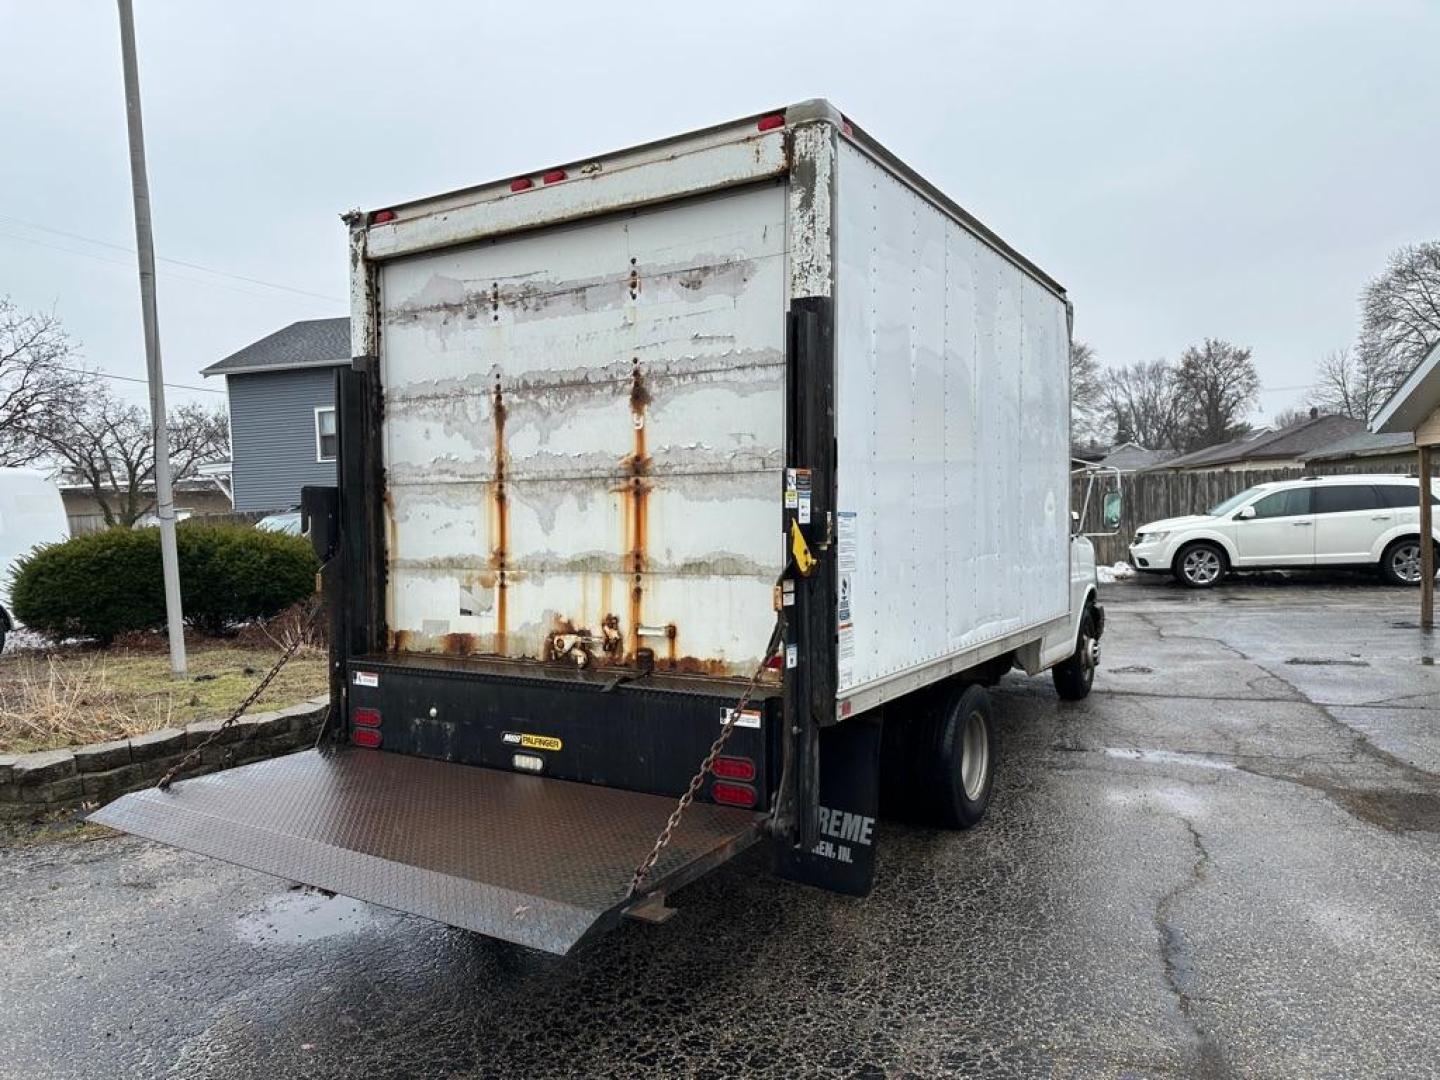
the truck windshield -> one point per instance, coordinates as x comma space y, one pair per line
1232, 502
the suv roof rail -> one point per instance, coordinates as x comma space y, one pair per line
1312, 478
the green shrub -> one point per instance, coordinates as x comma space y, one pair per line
102, 585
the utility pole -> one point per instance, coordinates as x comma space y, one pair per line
145, 251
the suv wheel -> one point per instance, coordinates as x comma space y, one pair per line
1200, 565
1400, 565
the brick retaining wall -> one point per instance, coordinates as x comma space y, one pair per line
33, 784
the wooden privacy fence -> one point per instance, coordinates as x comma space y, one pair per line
1150, 496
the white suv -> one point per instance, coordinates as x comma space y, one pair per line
1314, 522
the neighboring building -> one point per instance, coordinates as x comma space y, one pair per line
1414, 410
282, 412
193, 498
1267, 449
1132, 457
1374, 453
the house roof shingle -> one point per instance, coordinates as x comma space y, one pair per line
310, 343
1291, 442
1363, 444
1128, 457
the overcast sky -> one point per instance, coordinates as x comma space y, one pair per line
1227, 169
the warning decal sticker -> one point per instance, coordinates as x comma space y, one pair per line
845, 567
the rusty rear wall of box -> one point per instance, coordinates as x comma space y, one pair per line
585, 424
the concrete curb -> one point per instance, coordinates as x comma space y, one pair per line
47, 780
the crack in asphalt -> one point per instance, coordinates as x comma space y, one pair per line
1164, 636
1211, 1063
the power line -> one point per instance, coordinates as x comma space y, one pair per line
131, 378
160, 258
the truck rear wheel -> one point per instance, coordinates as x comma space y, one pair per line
961, 758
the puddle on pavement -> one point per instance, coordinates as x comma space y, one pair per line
1321, 661
1133, 669
303, 915
1166, 757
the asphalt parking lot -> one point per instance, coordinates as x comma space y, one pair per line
1222, 864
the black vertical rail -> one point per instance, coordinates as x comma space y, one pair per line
810, 444
358, 623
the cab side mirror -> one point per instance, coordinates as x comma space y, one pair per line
1111, 509
1245, 513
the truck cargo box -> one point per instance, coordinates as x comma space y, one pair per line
753, 413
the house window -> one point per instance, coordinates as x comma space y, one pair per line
327, 440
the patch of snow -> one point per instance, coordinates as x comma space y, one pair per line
1108, 575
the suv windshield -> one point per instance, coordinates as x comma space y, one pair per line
1233, 501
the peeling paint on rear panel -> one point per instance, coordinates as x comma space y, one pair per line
584, 431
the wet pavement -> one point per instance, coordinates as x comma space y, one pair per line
1224, 863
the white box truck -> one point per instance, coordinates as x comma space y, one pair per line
747, 448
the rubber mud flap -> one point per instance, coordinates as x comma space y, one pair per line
536, 861
843, 858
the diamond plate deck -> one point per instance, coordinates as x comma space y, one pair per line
530, 860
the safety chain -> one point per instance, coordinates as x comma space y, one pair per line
643, 870
317, 606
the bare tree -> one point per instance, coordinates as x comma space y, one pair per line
1400, 310
39, 373
105, 444
1288, 418
1355, 382
1087, 394
1143, 404
1218, 386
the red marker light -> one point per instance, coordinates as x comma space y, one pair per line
365, 736
770, 123
522, 184
733, 794
734, 768
554, 176
380, 217
367, 717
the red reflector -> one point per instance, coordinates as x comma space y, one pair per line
523, 184
553, 176
380, 217
775, 663
733, 794
367, 717
770, 123
365, 736
734, 768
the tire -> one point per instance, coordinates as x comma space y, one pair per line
1075, 675
1400, 565
1200, 565
960, 759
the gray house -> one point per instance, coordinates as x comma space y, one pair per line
282, 412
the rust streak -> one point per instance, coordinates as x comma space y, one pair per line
635, 501
459, 644
500, 538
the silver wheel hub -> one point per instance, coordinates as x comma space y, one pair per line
1090, 653
1406, 562
974, 756
1202, 566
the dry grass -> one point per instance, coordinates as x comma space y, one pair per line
72, 697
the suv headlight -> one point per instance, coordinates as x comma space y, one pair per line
1146, 537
